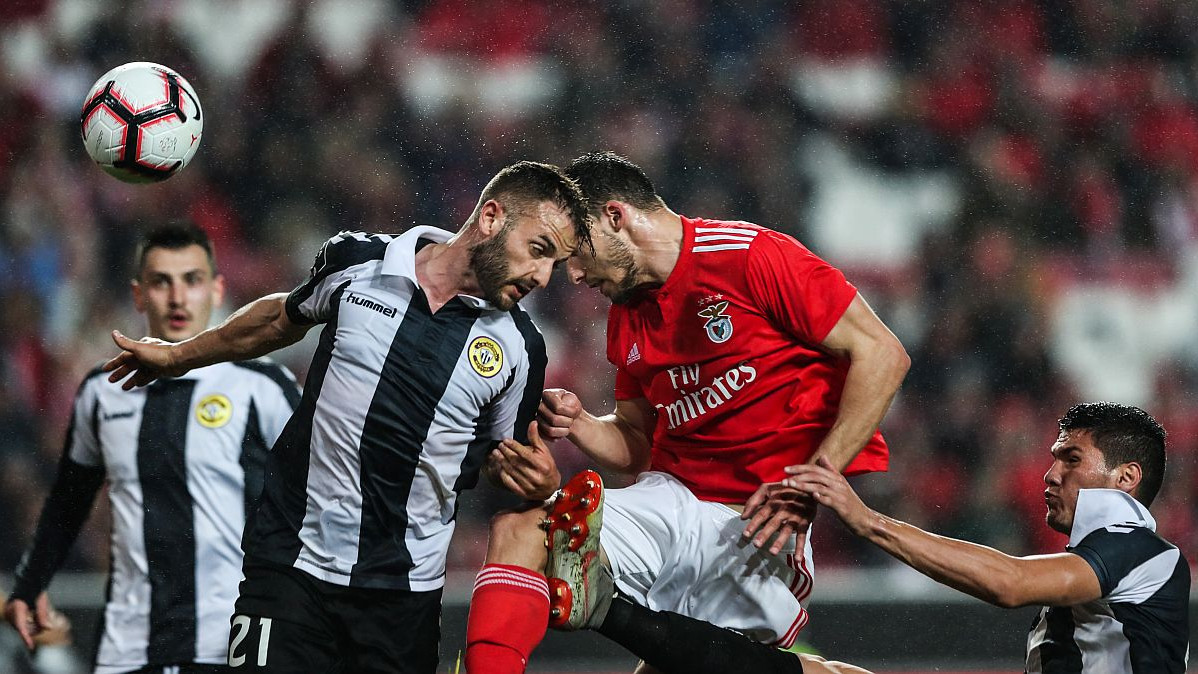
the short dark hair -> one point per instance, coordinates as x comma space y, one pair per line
526, 183
172, 236
1123, 434
604, 176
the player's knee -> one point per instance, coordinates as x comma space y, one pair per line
813, 664
517, 538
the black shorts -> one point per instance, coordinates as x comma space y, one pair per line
288, 621
183, 669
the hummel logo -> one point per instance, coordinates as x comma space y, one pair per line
117, 415
634, 355
383, 309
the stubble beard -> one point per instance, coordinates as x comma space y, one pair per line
627, 289
490, 266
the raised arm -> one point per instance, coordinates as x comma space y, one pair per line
254, 330
617, 441
1062, 579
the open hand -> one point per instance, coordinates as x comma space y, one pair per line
829, 488
778, 511
528, 471
146, 359
39, 626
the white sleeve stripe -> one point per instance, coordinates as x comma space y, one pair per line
1143, 581
724, 237
723, 246
725, 230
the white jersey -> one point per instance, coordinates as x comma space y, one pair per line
1140, 624
400, 409
183, 460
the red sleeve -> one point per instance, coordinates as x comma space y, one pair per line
795, 288
627, 387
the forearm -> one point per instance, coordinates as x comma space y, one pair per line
977, 570
873, 379
66, 509
254, 330
611, 442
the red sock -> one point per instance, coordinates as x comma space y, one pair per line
509, 614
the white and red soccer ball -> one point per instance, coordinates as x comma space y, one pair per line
141, 122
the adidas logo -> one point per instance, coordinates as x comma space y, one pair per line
634, 354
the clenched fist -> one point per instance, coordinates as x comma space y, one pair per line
558, 411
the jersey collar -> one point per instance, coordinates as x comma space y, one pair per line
1099, 508
400, 259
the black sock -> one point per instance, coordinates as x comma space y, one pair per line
676, 644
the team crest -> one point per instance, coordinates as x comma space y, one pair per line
214, 411
485, 356
719, 324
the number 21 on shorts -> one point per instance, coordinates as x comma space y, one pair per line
241, 629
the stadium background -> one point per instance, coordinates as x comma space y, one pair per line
1013, 184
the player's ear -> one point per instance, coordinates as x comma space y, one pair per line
617, 214
490, 218
218, 290
139, 296
1128, 476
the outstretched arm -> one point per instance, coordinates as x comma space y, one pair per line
1062, 579
254, 330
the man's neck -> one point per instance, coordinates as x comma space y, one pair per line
443, 271
660, 243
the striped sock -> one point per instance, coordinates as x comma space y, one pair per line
509, 614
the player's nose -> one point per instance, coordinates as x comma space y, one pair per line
178, 294
543, 272
1052, 478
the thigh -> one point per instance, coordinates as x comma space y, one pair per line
722, 578
642, 525
670, 551
392, 631
280, 625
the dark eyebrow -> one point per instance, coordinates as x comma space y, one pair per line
1065, 450
550, 247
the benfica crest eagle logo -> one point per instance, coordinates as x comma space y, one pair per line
719, 324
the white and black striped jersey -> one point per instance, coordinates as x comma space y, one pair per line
183, 459
1141, 623
400, 409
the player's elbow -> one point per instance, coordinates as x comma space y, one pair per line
891, 360
1008, 590
897, 358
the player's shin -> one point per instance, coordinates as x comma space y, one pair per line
509, 613
675, 644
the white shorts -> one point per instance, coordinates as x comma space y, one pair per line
669, 551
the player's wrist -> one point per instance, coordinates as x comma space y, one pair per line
582, 427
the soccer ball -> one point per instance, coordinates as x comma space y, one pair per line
141, 122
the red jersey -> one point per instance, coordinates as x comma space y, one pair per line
726, 351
